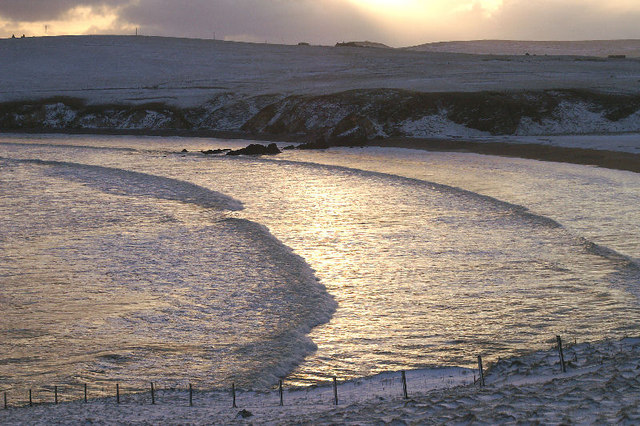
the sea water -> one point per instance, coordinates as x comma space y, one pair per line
127, 260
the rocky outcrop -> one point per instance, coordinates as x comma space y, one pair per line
256, 149
213, 151
228, 111
70, 113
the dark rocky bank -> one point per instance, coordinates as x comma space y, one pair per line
382, 117
353, 117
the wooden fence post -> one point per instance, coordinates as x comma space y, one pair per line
564, 368
85, 393
153, 396
281, 397
190, 395
481, 378
30, 399
55, 393
118, 393
404, 385
233, 394
335, 391
5, 401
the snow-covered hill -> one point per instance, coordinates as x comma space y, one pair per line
118, 82
601, 48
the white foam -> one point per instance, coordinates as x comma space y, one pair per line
127, 182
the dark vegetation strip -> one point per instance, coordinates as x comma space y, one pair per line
362, 112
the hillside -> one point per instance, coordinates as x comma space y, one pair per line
336, 94
597, 48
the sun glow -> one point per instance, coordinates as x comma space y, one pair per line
487, 7
391, 8
387, 4
428, 20
420, 9
79, 20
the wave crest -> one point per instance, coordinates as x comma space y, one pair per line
125, 182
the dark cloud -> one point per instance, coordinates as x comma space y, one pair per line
317, 21
42, 10
329, 21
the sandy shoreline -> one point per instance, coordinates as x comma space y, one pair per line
616, 160
601, 158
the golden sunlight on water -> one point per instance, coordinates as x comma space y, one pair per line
125, 280
427, 275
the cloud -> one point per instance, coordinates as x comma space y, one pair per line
522, 20
44, 10
77, 20
402, 22
566, 19
318, 21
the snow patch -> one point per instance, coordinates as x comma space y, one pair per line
437, 125
379, 130
149, 120
577, 118
58, 115
324, 115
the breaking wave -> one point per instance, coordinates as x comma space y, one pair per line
125, 182
226, 295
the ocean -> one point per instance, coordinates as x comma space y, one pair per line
125, 260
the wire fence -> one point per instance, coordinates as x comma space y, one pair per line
385, 385
330, 394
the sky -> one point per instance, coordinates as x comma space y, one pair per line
393, 22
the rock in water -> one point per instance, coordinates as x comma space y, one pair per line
214, 151
257, 149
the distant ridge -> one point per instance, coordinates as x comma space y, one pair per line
600, 48
362, 44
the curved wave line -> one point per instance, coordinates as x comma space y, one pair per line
522, 211
51, 145
125, 182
